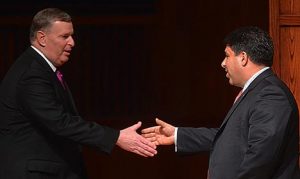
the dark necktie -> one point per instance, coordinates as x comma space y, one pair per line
60, 78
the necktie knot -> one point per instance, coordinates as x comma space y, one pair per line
60, 78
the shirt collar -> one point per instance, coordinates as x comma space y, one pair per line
253, 78
49, 63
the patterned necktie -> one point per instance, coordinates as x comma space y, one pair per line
60, 78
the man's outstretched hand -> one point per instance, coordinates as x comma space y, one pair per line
131, 141
162, 134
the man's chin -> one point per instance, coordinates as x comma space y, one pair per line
230, 82
65, 60
62, 62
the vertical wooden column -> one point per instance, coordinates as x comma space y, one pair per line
284, 25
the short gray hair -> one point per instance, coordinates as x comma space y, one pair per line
45, 18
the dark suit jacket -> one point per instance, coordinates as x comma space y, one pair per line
258, 138
40, 129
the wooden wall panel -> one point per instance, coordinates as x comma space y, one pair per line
289, 7
284, 26
290, 55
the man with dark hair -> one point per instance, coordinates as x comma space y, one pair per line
41, 132
258, 138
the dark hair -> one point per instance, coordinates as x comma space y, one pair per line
254, 41
44, 19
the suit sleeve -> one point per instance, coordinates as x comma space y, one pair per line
268, 126
39, 102
193, 140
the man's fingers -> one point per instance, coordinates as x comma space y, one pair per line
149, 135
146, 150
143, 150
156, 141
149, 130
147, 143
152, 139
139, 153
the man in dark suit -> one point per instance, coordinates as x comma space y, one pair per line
258, 138
41, 132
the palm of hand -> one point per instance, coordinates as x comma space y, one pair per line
164, 135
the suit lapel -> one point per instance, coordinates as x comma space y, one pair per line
233, 108
64, 94
254, 83
71, 100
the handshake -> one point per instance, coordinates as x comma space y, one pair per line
145, 144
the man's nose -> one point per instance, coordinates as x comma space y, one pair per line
223, 64
71, 42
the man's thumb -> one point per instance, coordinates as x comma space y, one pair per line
136, 126
160, 122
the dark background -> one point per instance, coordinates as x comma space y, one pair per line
135, 60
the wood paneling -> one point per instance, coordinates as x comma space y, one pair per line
289, 6
274, 32
284, 25
290, 55
289, 20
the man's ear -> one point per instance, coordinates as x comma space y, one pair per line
41, 38
244, 58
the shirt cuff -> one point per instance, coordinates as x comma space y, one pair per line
175, 138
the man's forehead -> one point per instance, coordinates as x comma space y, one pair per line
228, 49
